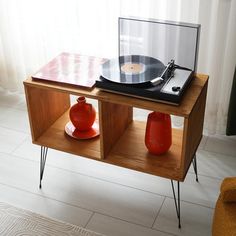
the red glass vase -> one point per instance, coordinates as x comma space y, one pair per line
158, 136
82, 115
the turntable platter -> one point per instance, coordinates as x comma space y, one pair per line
132, 69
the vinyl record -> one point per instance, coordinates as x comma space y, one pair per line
132, 69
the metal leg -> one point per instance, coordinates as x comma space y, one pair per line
43, 156
194, 161
177, 202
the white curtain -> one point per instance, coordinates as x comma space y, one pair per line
32, 32
217, 58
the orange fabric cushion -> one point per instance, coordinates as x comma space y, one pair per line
228, 189
224, 220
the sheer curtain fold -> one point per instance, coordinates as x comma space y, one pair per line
32, 32
217, 58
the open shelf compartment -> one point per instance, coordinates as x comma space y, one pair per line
48, 114
130, 152
56, 138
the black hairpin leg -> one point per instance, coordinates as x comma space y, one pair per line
194, 161
177, 201
44, 151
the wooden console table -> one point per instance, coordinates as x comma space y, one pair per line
121, 140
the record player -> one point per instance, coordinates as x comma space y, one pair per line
161, 71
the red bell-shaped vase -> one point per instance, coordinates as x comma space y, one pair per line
82, 115
158, 136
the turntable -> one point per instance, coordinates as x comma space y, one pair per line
145, 77
162, 71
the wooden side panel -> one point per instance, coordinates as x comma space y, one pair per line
193, 127
44, 108
113, 121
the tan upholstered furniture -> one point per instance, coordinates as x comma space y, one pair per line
224, 221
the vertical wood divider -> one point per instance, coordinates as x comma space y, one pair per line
45, 106
193, 128
113, 121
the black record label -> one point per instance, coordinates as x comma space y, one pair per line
132, 69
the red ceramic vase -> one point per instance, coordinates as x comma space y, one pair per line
158, 136
82, 115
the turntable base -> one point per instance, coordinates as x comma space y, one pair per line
145, 77
163, 93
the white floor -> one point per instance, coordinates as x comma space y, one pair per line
104, 198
